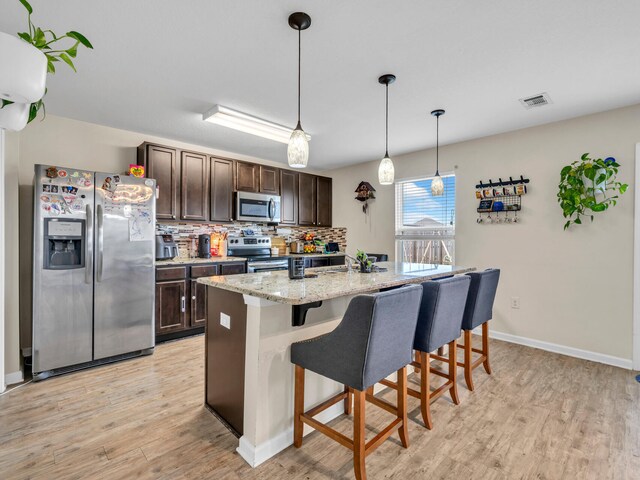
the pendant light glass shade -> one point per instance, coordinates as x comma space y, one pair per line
386, 171
298, 149
437, 186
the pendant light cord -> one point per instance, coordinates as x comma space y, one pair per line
386, 127
299, 66
437, 145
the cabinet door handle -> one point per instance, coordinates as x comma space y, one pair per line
184, 304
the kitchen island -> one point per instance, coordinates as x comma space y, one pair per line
253, 320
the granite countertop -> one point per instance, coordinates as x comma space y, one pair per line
331, 282
189, 261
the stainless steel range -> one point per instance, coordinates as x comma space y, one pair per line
257, 250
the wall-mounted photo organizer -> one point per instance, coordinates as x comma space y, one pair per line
500, 202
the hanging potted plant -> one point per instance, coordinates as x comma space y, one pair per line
29, 58
588, 186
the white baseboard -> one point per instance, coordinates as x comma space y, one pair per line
255, 455
13, 377
562, 349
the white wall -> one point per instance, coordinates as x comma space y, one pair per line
575, 287
64, 142
12, 366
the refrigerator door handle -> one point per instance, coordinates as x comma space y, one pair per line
100, 242
88, 248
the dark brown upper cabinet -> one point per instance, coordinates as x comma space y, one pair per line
161, 163
288, 197
324, 203
247, 177
269, 180
221, 190
307, 199
194, 186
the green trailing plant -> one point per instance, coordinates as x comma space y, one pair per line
363, 261
47, 42
588, 186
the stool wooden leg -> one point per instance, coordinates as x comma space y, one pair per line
417, 359
453, 364
485, 347
359, 452
347, 401
298, 406
468, 369
425, 389
402, 406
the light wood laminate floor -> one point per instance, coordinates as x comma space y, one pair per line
540, 415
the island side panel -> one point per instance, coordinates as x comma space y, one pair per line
270, 374
225, 356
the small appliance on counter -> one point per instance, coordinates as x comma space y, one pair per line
332, 247
166, 247
296, 268
204, 246
297, 247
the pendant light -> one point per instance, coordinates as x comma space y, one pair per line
298, 149
386, 171
437, 186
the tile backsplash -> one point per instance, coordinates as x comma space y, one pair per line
186, 234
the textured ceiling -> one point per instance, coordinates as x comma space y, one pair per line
158, 65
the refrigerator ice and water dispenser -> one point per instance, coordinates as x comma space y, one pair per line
64, 244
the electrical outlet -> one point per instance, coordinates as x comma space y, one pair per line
515, 302
225, 320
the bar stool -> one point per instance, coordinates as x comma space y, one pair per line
478, 311
373, 341
439, 324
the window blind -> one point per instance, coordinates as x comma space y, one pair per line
425, 225
419, 214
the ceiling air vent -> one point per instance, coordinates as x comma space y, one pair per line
536, 101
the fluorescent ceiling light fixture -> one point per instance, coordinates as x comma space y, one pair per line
246, 123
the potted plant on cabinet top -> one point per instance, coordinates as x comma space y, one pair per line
28, 59
588, 186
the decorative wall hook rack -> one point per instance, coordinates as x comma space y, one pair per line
503, 183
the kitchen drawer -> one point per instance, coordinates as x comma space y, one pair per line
170, 273
337, 260
204, 271
232, 268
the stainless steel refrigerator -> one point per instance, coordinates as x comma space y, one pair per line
93, 268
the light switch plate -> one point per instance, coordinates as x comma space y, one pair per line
225, 320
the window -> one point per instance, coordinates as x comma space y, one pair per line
425, 225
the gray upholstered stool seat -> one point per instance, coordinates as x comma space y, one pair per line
478, 311
374, 340
439, 324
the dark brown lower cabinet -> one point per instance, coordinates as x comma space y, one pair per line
171, 311
198, 314
181, 302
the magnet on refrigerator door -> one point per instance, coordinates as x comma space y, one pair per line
52, 172
62, 173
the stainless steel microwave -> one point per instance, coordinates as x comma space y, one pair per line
257, 207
